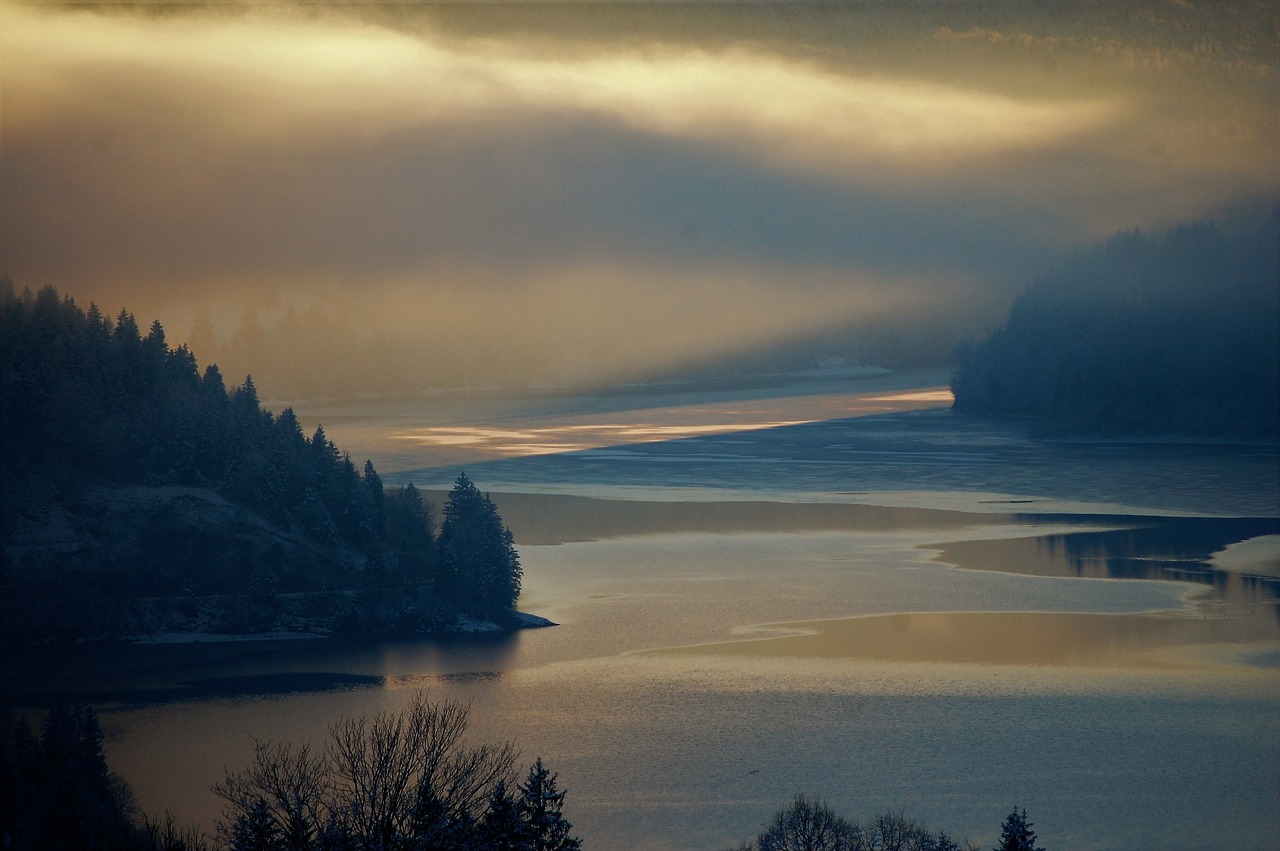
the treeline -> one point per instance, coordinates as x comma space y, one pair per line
1177, 335
86, 397
88, 402
808, 825
397, 781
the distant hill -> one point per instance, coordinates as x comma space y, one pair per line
1175, 337
142, 496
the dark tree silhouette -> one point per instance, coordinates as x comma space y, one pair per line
809, 826
57, 792
479, 563
1016, 833
541, 809
396, 780
502, 828
410, 536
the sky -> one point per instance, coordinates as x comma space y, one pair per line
408, 196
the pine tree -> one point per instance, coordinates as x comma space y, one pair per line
409, 541
540, 807
502, 828
480, 566
1016, 833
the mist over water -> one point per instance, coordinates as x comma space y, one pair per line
675, 283
746, 615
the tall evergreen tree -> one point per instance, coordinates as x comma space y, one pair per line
479, 563
410, 536
541, 804
1016, 833
502, 827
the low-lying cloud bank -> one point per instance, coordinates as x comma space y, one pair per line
504, 194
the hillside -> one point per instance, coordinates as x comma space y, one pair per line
1143, 337
141, 496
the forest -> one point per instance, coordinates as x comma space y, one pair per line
142, 495
1144, 336
402, 780
395, 781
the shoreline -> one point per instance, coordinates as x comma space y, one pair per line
464, 626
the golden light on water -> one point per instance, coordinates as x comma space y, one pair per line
648, 425
518, 442
941, 395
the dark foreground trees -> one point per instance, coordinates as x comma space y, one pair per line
56, 790
1016, 833
399, 780
809, 825
396, 781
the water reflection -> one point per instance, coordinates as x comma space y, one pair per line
144, 674
1162, 548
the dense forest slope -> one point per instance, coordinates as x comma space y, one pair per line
141, 496
1144, 336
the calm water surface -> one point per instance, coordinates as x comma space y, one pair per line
882, 611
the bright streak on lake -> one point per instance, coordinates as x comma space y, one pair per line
911, 612
414, 433
515, 443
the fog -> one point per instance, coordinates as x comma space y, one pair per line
397, 198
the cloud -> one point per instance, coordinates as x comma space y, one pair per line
698, 174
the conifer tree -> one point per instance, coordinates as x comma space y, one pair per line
502, 828
410, 536
1016, 833
541, 805
480, 566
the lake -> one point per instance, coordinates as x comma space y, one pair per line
823, 586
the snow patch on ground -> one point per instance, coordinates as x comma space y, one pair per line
524, 620
520, 620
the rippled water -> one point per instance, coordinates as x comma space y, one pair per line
729, 605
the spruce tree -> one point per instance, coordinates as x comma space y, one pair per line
409, 542
1016, 833
502, 828
540, 807
480, 567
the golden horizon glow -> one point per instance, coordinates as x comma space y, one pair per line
287, 74
593, 207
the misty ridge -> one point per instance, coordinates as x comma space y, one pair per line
1173, 336
1153, 335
